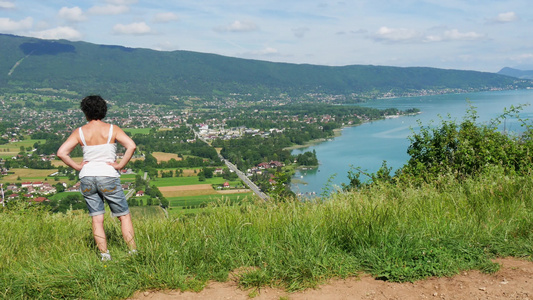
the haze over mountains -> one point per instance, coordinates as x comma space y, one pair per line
522, 74
142, 75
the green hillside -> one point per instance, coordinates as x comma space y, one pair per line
147, 75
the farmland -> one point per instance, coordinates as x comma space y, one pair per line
186, 192
12, 149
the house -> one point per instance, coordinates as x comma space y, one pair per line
26, 184
48, 190
226, 184
41, 199
74, 188
271, 164
275, 164
139, 194
263, 165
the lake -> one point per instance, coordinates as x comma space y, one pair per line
368, 145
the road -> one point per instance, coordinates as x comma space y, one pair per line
245, 179
252, 186
130, 193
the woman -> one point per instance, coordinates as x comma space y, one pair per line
99, 171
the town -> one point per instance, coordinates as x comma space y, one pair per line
173, 142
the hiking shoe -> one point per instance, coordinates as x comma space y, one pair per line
105, 256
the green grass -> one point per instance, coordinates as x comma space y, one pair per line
147, 212
128, 177
394, 233
192, 180
12, 149
133, 131
24, 143
196, 200
198, 204
62, 195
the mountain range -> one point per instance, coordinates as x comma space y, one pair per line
522, 74
144, 75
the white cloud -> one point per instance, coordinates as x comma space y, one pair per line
7, 5
166, 46
433, 38
165, 17
74, 14
109, 10
523, 57
506, 17
397, 35
238, 26
133, 28
269, 51
402, 35
454, 34
62, 32
8, 25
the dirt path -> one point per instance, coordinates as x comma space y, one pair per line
513, 281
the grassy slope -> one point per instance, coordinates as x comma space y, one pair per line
398, 234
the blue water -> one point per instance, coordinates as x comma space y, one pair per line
368, 145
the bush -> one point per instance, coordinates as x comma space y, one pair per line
467, 149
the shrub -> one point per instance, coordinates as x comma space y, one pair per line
467, 149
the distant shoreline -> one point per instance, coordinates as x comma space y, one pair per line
336, 133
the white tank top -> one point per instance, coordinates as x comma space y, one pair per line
97, 157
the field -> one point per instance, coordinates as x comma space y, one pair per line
12, 149
187, 190
162, 156
27, 175
181, 201
58, 162
197, 204
134, 131
147, 212
190, 179
183, 191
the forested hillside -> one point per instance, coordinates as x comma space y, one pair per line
143, 75
522, 74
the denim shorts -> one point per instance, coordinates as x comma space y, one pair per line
97, 188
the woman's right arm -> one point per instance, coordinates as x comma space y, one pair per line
127, 143
64, 152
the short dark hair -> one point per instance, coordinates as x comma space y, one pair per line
94, 107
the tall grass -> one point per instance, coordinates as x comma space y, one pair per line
394, 233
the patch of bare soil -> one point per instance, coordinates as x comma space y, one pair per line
187, 190
514, 280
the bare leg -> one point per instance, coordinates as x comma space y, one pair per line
99, 233
127, 231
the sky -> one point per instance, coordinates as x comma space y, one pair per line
480, 35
